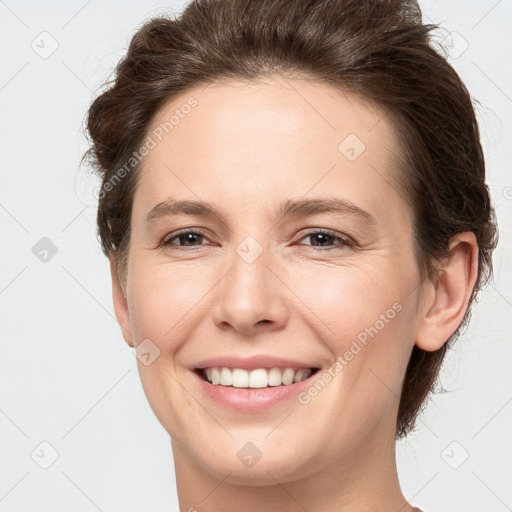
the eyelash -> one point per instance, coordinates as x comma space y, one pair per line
345, 241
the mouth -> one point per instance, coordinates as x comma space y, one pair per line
254, 378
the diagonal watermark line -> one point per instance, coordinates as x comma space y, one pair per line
182, 181
424, 15
280, 423
287, 492
429, 428
486, 14
305, 194
396, 396
13, 279
194, 398
75, 15
206, 86
196, 303
111, 388
500, 294
73, 219
378, 121
284, 78
492, 81
215, 488
14, 486
490, 490
14, 423
500, 409
89, 293
13, 13
301, 300
215, 284
413, 497
14, 76
389, 183
13, 217
81, 491
79, 78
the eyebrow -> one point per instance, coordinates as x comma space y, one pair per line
288, 208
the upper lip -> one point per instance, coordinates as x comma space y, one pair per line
252, 362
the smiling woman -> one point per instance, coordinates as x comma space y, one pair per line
294, 207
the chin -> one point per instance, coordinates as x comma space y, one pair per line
254, 464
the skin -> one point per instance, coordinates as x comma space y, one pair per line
245, 148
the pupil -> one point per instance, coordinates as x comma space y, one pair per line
189, 237
322, 237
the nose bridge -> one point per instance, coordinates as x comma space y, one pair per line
249, 262
251, 295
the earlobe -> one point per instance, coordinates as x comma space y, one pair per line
447, 298
120, 303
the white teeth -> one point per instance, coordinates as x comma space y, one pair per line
288, 376
274, 377
225, 377
259, 378
240, 377
299, 374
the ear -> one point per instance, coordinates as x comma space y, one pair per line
446, 300
120, 303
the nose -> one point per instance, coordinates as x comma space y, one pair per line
251, 298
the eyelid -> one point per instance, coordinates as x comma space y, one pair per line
174, 234
170, 236
346, 240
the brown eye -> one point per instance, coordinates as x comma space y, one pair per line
327, 239
184, 239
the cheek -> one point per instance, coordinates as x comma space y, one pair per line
366, 319
163, 305
349, 302
367, 323
163, 301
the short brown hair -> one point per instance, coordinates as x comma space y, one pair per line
377, 49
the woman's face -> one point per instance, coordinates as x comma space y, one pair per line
309, 260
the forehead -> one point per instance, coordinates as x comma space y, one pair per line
257, 112
252, 142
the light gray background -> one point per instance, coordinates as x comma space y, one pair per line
67, 377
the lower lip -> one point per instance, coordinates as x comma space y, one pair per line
252, 399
